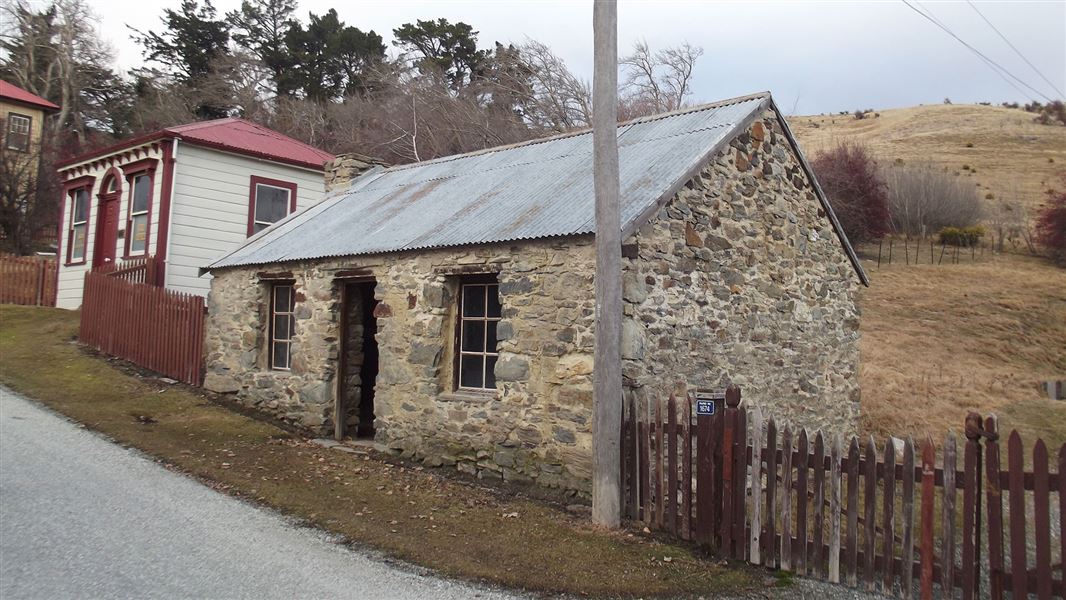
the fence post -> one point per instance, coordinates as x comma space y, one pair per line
995, 510
928, 481
971, 508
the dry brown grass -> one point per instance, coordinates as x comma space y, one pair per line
941, 340
454, 526
1009, 151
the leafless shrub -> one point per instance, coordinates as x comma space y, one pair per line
923, 199
29, 197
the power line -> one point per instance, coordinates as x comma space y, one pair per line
1016, 50
999, 69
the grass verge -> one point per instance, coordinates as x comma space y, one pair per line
455, 527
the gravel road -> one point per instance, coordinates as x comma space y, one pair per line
81, 517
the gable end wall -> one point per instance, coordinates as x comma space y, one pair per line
741, 279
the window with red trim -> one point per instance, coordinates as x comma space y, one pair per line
137, 221
141, 176
270, 201
77, 232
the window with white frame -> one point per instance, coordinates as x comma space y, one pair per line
270, 205
479, 314
18, 132
77, 237
282, 304
137, 222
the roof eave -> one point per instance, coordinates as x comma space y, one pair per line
113, 148
848, 249
255, 154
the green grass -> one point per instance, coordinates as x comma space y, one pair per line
454, 527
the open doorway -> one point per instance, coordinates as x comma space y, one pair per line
358, 368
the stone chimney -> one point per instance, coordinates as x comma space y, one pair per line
346, 167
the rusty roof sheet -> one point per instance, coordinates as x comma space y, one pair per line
536, 189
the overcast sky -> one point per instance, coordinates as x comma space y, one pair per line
814, 56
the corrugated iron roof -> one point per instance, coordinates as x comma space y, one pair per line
531, 190
247, 137
231, 134
10, 91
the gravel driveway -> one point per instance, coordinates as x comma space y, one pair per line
81, 517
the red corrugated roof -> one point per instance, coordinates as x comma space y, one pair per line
13, 92
232, 135
246, 137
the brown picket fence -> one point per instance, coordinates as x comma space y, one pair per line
899, 519
145, 269
158, 329
28, 280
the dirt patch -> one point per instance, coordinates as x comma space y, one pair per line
458, 528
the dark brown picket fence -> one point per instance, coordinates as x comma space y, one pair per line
158, 329
144, 269
887, 519
28, 280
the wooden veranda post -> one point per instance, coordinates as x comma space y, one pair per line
607, 380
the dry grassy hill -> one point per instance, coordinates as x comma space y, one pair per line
1008, 154
939, 340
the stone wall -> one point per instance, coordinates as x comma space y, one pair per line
345, 167
741, 279
353, 359
536, 427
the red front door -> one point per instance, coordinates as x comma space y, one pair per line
106, 231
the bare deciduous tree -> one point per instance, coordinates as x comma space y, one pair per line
28, 202
659, 81
55, 54
561, 101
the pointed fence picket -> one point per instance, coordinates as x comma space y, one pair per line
844, 510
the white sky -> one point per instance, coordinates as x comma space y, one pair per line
814, 56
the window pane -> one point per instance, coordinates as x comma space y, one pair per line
282, 297
470, 371
490, 337
257, 227
271, 203
77, 249
281, 355
142, 186
473, 301
490, 374
282, 329
138, 233
474, 336
81, 204
494, 300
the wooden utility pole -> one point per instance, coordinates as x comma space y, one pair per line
607, 379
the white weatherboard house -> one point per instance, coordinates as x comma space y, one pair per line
184, 195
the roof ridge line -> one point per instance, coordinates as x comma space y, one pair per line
586, 130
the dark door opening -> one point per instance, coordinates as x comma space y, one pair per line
358, 361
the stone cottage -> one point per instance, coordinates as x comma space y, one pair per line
446, 307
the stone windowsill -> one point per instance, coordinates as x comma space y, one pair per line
468, 396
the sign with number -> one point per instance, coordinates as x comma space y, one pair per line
704, 407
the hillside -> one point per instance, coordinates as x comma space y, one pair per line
938, 341
1010, 154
